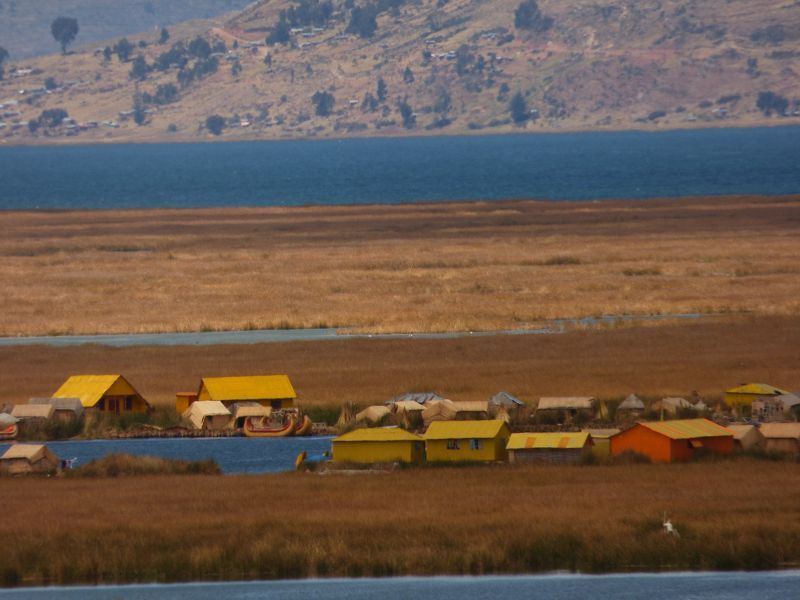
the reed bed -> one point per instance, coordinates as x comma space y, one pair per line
422, 521
708, 356
460, 266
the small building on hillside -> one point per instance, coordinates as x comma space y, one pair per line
673, 441
566, 408
776, 408
452, 441
601, 441
378, 445
26, 459
274, 391
548, 447
33, 413
209, 415
471, 411
103, 393
64, 409
630, 408
783, 438
743, 395
746, 437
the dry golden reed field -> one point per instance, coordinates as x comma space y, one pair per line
423, 521
468, 266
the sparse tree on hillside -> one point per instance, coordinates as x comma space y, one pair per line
164, 37
123, 49
139, 69
200, 47
215, 124
52, 117
107, 52
363, 21
64, 30
370, 103
528, 16
408, 75
323, 103
519, 108
280, 33
381, 91
139, 116
770, 101
407, 113
3, 58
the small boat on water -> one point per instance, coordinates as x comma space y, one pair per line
9, 432
304, 426
264, 427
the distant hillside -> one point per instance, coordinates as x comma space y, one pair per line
394, 67
25, 24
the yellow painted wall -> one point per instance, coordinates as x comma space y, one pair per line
138, 405
378, 452
491, 449
734, 400
601, 447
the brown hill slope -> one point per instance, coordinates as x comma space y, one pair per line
448, 66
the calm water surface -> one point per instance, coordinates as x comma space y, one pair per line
575, 166
697, 586
234, 455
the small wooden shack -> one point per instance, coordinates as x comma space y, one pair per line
782, 438
471, 410
208, 415
26, 459
273, 391
408, 413
507, 404
746, 437
776, 408
103, 393
566, 408
671, 441
548, 447
451, 441
378, 445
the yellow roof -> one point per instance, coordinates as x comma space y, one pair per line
379, 434
255, 387
90, 388
461, 430
688, 429
758, 389
524, 441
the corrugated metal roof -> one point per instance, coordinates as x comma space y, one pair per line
378, 434
687, 428
254, 387
566, 403
418, 397
632, 402
535, 441
759, 389
505, 399
461, 430
89, 388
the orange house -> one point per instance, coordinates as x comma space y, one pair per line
673, 441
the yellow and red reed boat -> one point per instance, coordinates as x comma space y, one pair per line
264, 427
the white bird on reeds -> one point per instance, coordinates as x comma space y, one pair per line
669, 528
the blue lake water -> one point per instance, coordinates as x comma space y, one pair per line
234, 455
576, 166
779, 585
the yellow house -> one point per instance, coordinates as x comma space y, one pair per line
274, 391
378, 445
744, 394
451, 441
103, 393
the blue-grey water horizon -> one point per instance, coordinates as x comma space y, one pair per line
551, 166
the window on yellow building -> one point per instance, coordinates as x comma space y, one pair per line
452, 445
475, 444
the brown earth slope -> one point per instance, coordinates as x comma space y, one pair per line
454, 65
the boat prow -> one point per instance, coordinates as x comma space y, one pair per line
257, 427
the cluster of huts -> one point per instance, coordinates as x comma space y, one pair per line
480, 431
219, 403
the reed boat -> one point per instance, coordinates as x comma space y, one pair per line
262, 427
304, 426
9, 433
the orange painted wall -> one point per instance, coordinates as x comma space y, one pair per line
660, 448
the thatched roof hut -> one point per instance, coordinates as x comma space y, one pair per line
373, 414
208, 414
24, 459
